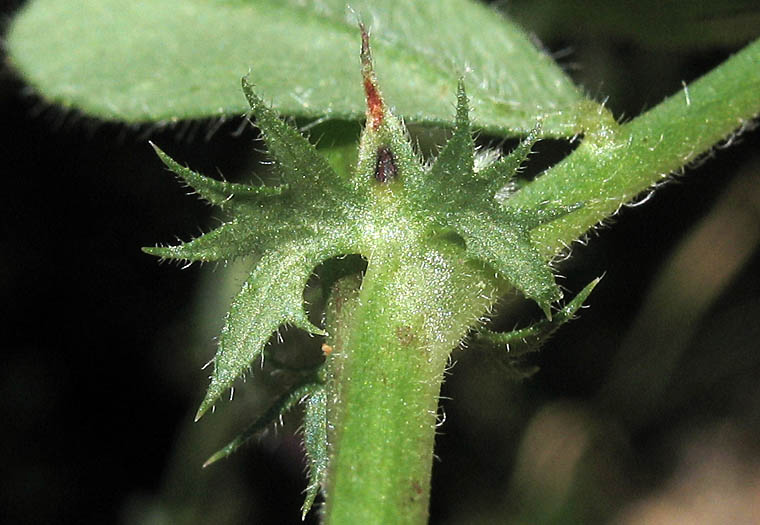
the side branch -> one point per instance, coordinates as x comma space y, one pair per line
615, 164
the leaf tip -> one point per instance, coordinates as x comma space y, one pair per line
213, 459
302, 321
208, 401
311, 495
250, 96
463, 109
169, 162
375, 103
163, 252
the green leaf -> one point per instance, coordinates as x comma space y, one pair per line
500, 173
160, 61
272, 296
315, 443
455, 163
519, 342
214, 191
451, 176
298, 161
507, 247
284, 403
230, 240
531, 338
460, 200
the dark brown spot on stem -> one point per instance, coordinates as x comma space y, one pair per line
385, 165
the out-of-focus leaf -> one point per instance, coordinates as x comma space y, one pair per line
676, 24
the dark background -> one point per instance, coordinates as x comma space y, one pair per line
646, 409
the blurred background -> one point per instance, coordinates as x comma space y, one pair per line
645, 410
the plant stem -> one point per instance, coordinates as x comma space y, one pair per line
392, 338
614, 163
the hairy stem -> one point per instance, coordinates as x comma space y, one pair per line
392, 338
614, 163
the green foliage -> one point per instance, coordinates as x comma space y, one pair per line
315, 443
615, 163
391, 201
519, 342
149, 61
284, 403
458, 199
442, 240
318, 214
296, 226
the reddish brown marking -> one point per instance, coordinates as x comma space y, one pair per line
375, 105
327, 349
385, 165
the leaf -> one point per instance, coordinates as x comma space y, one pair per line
272, 296
531, 338
228, 241
500, 173
451, 175
508, 248
315, 443
298, 160
458, 199
215, 191
161, 61
520, 342
284, 403
457, 157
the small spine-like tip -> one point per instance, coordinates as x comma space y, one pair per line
213, 459
463, 108
161, 155
460, 88
366, 54
248, 92
375, 104
167, 160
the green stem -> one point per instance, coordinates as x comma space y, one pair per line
613, 164
393, 337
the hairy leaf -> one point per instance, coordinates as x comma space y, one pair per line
315, 443
460, 200
160, 61
215, 191
615, 163
230, 240
271, 297
531, 338
520, 342
284, 403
